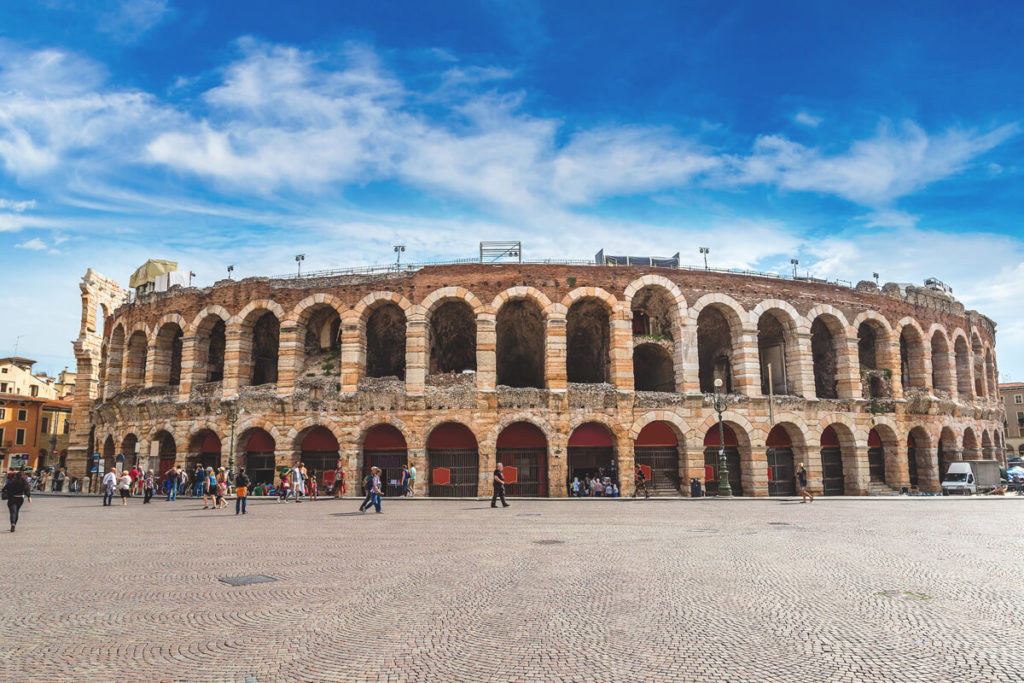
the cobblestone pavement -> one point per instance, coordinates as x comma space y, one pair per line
707, 590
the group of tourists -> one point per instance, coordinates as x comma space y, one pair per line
48, 479
593, 487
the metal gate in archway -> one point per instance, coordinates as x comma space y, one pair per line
833, 481
732, 461
459, 475
531, 471
781, 472
260, 467
664, 464
320, 461
391, 463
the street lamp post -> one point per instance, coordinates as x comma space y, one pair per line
719, 402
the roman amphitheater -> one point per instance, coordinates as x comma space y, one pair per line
556, 370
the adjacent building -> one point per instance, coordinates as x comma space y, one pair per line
1012, 394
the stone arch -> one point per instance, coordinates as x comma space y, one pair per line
914, 355
209, 344
891, 468
206, 313
300, 428
962, 355
610, 303
253, 423
136, 356
971, 445
168, 346
840, 473
943, 371
678, 424
540, 423
115, 359
301, 312
719, 321
588, 340
778, 329
521, 339
742, 478
452, 460
254, 309
372, 420
652, 280
445, 294
658, 312
521, 292
451, 335
874, 335
260, 346
829, 332
373, 300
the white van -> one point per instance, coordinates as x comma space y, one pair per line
967, 477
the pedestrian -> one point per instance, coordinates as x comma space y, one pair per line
221, 489
499, 486
640, 482
241, 491
801, 483
148, 486
285, 487
109, 484
182, 482
124, 486
339, 482
314, 490
209, 488
372, 492
58, 482
199, 480
405, 481
412, 481
298, 482
171, 476
16, 490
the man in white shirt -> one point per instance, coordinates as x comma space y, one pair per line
298, 484
109, 484
412, 481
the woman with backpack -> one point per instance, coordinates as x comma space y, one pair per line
16, 491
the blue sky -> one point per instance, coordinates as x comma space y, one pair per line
857, 137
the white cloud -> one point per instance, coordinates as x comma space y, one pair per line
889, 218
807, 119
35, 244
132, 19
17, 206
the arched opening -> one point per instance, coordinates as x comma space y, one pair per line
781, 468
978, 359
963, 368
167, 359
260, 463
129, 450
947, 451
519, 349
912, 359
588, 342
833, 478
101, 320
385, 342
712, 444
452, 338
135, 368
385, 447
653, 368
454, 461
204, 449
970, 451
942, 376
321, 343
266, 337
591, 453
871, 343
211, 340
775, 348
657, 448
109, 451
167, 453
715, 349
876, 457
115, 360
523, 449
655, 313
826, 332
319, 453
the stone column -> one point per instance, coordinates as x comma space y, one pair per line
895, 364
353, 353
688, 380
158, 365
353, 471
746, 368
555, 353
754, 472
237, 352
928, 474
897, 466
418, 458
415, 355
621, 352
848, 368
291, 352
486, 347
954, 381
488, 458
801, 365
691, 464
812, 463
855, 468
190, 367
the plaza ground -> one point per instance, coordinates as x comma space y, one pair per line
848, 589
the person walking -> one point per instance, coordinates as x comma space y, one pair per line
148, 486
801, 483
109, 485
640, 482
58, 482
124, 486
171, 478
339, 482
199, 482
209, 488
499, 486
16, 490
221, 489
412, 481
372, 491
241, 491
298, 482
406, 490
314, 490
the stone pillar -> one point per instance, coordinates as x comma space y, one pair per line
897, 467
291, 352
353, 353
691, 465
754, 472
157, 364
801, 365
746, 368
555, 353
812, 463
237, 352
418, 458
486, 358
928, 469
856, 473
688, 380
621, 351
488, 458
415, 355
353, 471
954, 380
848, 368
190, 367
625, 460
895, 364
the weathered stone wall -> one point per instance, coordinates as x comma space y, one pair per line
377, 313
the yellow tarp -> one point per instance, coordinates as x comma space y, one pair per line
148, 271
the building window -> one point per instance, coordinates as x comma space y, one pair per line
67, 426
44, 425
4, 370
3, 413
3, 387
34, 391
19, 437
1, 436
1018, 399
22, 415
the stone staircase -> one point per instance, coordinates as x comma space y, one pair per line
877, 488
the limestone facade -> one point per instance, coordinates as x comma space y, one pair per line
619, 346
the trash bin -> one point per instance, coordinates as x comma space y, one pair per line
695, 488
